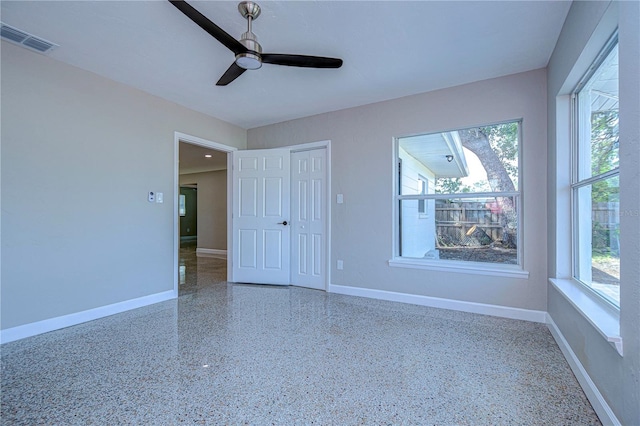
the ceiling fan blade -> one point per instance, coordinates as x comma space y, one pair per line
218, 33
301, 60
230, 74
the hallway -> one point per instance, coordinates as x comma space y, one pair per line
198, 272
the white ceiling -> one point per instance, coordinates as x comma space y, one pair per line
193, 160
390, 49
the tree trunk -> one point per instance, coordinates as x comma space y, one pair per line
476, 141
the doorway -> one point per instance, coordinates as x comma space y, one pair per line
201, 200
320, 248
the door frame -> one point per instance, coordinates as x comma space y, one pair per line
194, 140
184, 137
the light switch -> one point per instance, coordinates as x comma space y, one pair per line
339, 198
159, 197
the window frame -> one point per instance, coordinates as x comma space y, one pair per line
481, 268
182, 205
577, 128
422, 207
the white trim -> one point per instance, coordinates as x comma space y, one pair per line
229, 216
475, 268
597, 312
599, 404
517, 195
205, 252
51, 324
436, 302
327, 203
461, 195
309, 146
194, 140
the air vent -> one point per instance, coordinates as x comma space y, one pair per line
13, 34
25, 39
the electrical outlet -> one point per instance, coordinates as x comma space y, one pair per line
340, 265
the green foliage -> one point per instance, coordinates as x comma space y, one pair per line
606, 191
503, 139
450, 186
604, 155
604, 141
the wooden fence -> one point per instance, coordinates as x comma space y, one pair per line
479, 223
606, 215
467, 223
605, 224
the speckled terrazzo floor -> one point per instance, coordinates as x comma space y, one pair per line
241, 354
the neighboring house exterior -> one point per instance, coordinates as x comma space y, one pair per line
423, 159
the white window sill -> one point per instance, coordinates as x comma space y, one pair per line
475, 268
600, 315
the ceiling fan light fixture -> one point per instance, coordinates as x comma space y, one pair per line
248, 61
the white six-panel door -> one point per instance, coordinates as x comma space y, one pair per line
260, 222
308, 195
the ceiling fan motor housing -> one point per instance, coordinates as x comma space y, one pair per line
249, 60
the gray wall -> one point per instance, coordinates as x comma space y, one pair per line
362, 170
212, 207
588, 26
86, 150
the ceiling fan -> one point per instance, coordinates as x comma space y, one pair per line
248, 51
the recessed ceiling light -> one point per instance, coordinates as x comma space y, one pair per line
208, 155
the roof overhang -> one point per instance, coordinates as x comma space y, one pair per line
442, 153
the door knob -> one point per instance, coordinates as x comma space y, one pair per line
285, 223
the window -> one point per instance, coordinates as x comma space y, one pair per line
458, 197
423, 188
182, 205
595, 187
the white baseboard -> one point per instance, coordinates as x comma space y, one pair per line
44, 326
436, 302
205, 252
602, 409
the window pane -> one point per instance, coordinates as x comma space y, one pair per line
598, 234
479, 159
417, 229
469, 229
598, 120
182, 205
491, 156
